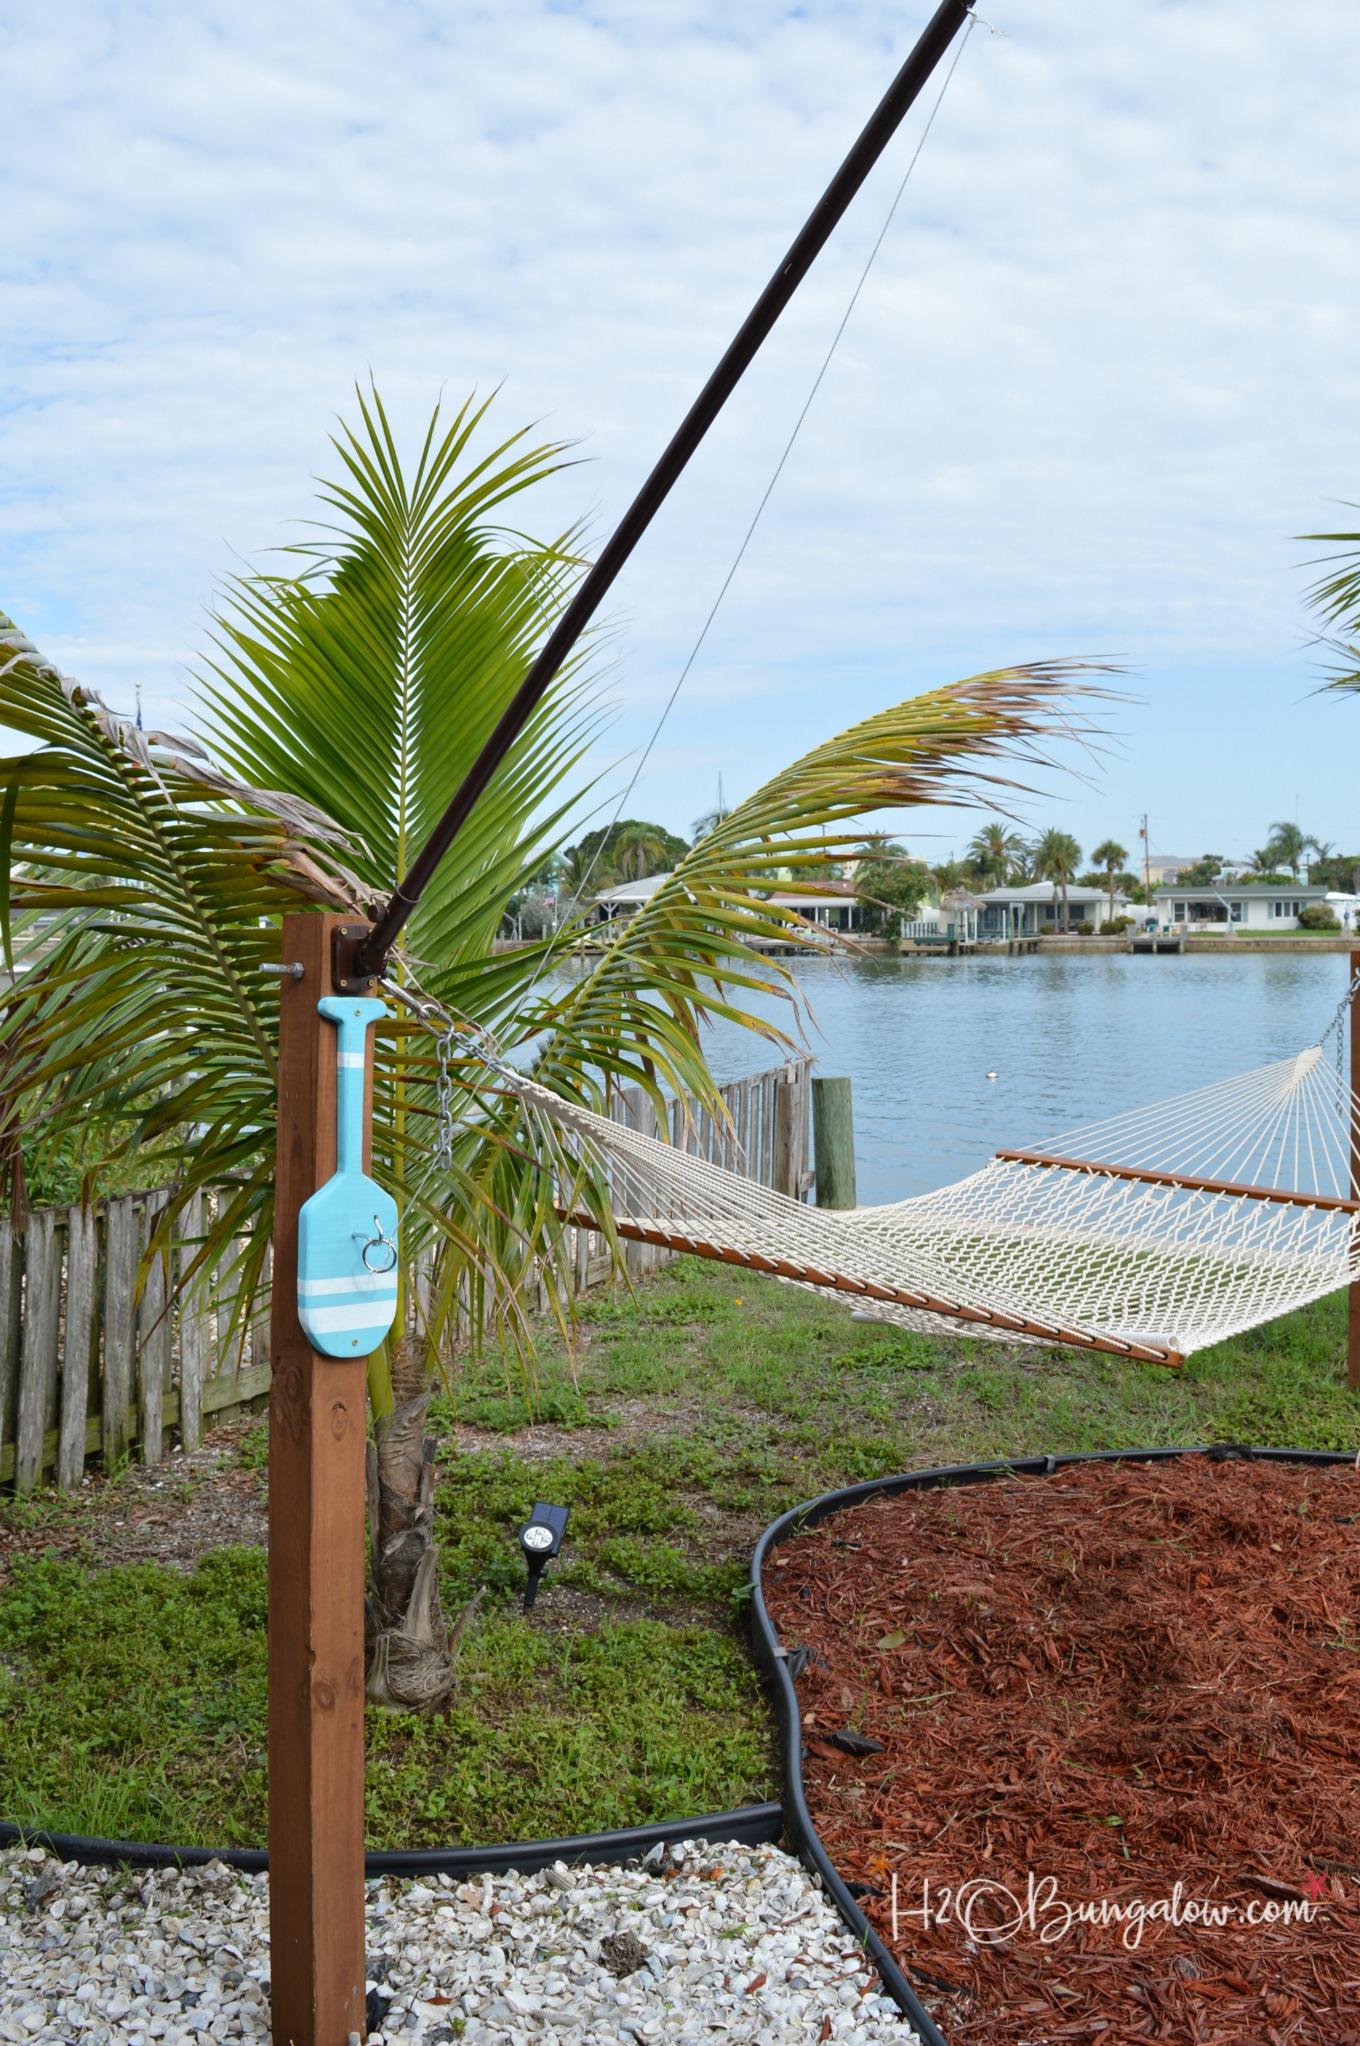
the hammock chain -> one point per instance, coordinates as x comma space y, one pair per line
1343, 1009
450, 1036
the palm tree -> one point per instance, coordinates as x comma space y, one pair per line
1286, 846
639, 851
1056, 858
992, 850
342, 702
1110, 855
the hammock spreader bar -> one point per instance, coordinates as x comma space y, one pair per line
868, 1289
371, 954
1288, 1197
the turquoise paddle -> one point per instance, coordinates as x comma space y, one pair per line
347, 1231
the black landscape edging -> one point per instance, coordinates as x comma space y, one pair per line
772, 1659
753, 1824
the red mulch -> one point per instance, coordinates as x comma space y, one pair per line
1119, 1677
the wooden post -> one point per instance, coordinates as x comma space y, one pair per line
784, 1167
1353, 1314
833, 1137
316, 1567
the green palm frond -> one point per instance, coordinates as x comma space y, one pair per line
1336, 597
369, 680
144, 891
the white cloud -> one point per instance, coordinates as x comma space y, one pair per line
1104, 367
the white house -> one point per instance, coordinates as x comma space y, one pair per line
615, 904
1030, 911
1247, 906
831, 905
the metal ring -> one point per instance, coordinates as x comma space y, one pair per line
374, 1243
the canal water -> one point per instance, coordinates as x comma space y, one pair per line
1070, 1040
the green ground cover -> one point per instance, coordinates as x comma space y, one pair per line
132, 1696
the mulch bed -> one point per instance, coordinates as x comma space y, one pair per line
1103, 1683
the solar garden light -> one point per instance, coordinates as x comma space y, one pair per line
540, 1538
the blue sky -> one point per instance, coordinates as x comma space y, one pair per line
1104, 369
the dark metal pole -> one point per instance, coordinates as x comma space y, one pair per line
887, 117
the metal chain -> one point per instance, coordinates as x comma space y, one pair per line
472, 1039
1342, 1011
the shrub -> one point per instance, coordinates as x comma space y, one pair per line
1115, 927
1085, 929
1317, 917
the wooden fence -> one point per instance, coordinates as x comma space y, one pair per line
87, 1368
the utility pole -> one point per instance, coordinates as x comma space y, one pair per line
317, 1412
1147, 885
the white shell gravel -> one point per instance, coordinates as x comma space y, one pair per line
741, 1945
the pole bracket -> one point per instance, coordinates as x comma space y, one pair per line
347, 976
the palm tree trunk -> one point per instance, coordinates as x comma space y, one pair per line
409, 1651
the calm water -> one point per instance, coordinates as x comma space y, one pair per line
1070, 1040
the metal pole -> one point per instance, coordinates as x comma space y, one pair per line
316, 1564
887, 117
1352, 1316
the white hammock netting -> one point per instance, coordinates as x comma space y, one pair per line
1151, 1235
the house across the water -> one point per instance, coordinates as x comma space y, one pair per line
1036, 908
831, 905
1248, 906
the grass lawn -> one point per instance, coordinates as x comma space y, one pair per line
132, 1695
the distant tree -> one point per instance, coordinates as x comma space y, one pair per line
1340, 871
710, 821
1286, 847
890, 888
991, 852
640, 851
1207, 869
1056, 858
1110, 856
623, 851
1022, 865
947, 874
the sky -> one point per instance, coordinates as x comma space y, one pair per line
1102, 374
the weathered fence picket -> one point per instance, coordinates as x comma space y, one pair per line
38, 1358
195, 1327
121, 1249
79, 1342
88, 1366
153, 1349
11, 1301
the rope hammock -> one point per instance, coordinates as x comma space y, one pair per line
1150, 1235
